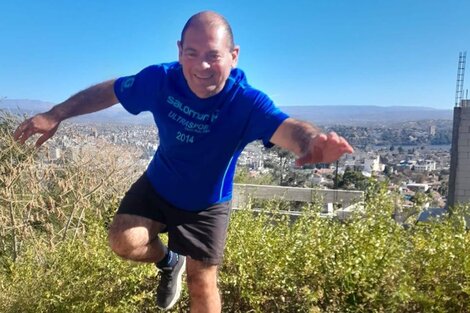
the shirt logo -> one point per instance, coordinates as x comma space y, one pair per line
127, 83
187, 110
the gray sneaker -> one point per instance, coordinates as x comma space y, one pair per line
169, 288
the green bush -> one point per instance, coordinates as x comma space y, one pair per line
53, 247
80, 276
54, 255
368, 264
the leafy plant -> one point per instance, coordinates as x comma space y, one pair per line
54, 255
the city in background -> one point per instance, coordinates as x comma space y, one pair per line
412, 157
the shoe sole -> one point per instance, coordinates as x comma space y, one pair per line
178, 287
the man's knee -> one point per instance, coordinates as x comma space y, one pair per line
201, 279
130, 232
121, 243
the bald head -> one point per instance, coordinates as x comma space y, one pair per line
211, 19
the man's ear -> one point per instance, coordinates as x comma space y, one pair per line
180, 48
235, 51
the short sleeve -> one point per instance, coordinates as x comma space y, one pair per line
264, 120
138, 92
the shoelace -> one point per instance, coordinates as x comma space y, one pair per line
166, 275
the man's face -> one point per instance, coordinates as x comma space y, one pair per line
207, 59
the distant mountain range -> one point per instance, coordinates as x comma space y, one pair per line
366, 115
323, 115
114, 114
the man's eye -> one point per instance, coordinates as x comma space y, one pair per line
215, 57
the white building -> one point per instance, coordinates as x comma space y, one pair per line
425, 166
372, 164
417, 187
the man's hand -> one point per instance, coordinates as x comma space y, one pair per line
309, 143
44, 123
92, 99
324, 148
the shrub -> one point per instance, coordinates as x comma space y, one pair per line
76, 276
53, 246
54, 255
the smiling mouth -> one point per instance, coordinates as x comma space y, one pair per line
203, 77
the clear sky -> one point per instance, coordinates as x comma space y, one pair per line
328, 52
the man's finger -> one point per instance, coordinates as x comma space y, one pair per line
347, 147
25, 135
339, 141
20, 129
319, 141
334, 139
42, 139
17, 133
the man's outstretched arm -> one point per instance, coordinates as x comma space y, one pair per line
93, 99
309, 143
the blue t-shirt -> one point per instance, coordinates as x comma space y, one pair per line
200, 139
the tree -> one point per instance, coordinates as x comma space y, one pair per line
243, 176
388, 170
419, 199
283, 173
443, 188
353, 180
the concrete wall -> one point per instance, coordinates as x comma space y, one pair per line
243, 192
459, 180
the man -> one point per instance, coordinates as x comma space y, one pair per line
206, 114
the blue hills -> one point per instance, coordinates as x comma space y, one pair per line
367, 115
359, 115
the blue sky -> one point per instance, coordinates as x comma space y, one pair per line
385, 53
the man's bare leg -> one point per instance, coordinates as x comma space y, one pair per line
136, 238
202, 284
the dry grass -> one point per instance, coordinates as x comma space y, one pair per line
42, 200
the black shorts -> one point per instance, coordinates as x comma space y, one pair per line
200, 235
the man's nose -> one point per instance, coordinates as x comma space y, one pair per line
205, 64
